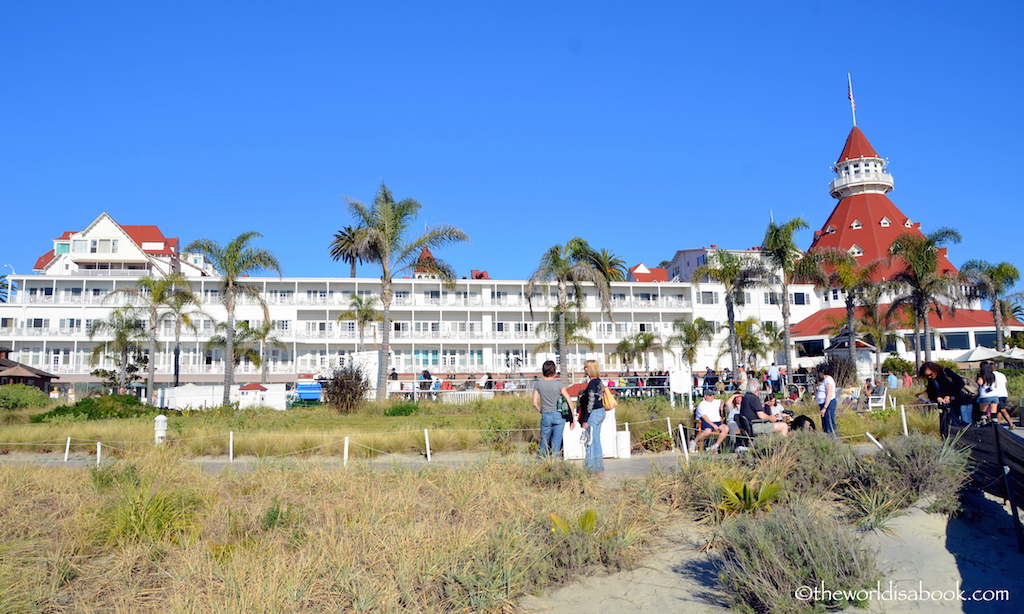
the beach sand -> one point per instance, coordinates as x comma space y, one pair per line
977, 550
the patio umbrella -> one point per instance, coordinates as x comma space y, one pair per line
1014, 354
979, 354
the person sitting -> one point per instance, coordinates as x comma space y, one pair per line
761, 422
709, 421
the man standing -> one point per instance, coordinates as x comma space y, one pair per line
892, 381
773, 377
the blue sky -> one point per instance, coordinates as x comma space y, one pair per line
643, 127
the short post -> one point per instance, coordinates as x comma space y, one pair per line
686, 447
668, 421
426, 440
160, 429
875, 441
99, 452
344, 459
903, 416
67, 450
231, 446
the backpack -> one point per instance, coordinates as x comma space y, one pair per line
970, 390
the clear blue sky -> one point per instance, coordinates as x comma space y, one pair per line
643, 127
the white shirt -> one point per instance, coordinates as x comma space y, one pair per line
1000, 385
710, 410
773, 373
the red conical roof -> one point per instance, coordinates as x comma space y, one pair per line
857, 146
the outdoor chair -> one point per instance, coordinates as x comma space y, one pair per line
879, 401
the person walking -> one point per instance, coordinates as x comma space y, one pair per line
826, 397
591, 416
546, 392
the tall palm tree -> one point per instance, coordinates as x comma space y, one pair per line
992, 282
251, 343
854, 279
363, 311
738, 274
154, 295
690, 336
925, 287
234, 261
387, 225
626, 351
782, 255
569, 266
644, 342
350, 246
613, 267
181, 310
127, 333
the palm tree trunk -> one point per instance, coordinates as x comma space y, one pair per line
177, 351
151, 370
229, 345
263, 361
353, 272
927, 336
850, 326
362, 346
385, 338
562, 340
917, 344
787, 341
730, 312
997, 315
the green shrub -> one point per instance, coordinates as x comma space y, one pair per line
401, 409
345, 390
19, 396
922, 466
894, 364
766, 559
102, 408
655, 440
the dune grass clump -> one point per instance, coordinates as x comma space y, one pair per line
765, 560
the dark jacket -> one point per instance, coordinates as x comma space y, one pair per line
590, 399
948, 384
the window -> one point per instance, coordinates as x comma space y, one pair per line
37, 323
78, 246
93, 246
856, 251
810, 348
885, 223
830, 230
798, 298
282, 324
70, 323
744, 299
62, 248
771, 298
646, 327
856, 225
908, 223
835, 294
987, 339
956, 341
6, 322
707, 298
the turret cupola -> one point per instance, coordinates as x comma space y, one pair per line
859, 169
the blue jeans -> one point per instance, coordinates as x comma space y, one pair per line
551, 427
595, 455
967, 413
828, 421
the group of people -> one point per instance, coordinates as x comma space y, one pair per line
743, 380
588, 413
946, 388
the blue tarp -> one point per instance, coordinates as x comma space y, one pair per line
308, 391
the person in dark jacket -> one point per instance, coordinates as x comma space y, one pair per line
946, 387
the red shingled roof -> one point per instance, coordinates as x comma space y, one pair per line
816, 323
43, 261
252, 387
655, 274
857, 146
151, 234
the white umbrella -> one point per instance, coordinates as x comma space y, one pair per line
979, 354
1014, 353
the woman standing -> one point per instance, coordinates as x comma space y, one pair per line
826, 397
591, 416
545, 400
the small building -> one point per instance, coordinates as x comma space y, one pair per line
13, 372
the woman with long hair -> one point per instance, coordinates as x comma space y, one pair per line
591, 416
546, 392
988, 401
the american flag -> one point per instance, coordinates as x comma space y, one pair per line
849, 94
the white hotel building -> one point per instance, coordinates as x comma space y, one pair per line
482, 325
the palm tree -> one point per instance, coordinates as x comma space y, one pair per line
235, 261
854, 279
180, 310
881, 324
613, 267
690, 336
626, 351
575, 323
350, 246
780, 252
387, 224
5, 288
154, 295
127, 333
565, 266
738, 274
251, 343
643, 343
924, 285
991, 282
364, 312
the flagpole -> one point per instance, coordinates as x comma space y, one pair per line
849, 94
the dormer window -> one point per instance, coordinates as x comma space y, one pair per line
885, 223
908, 223
856, 251
856, 225
829, 230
